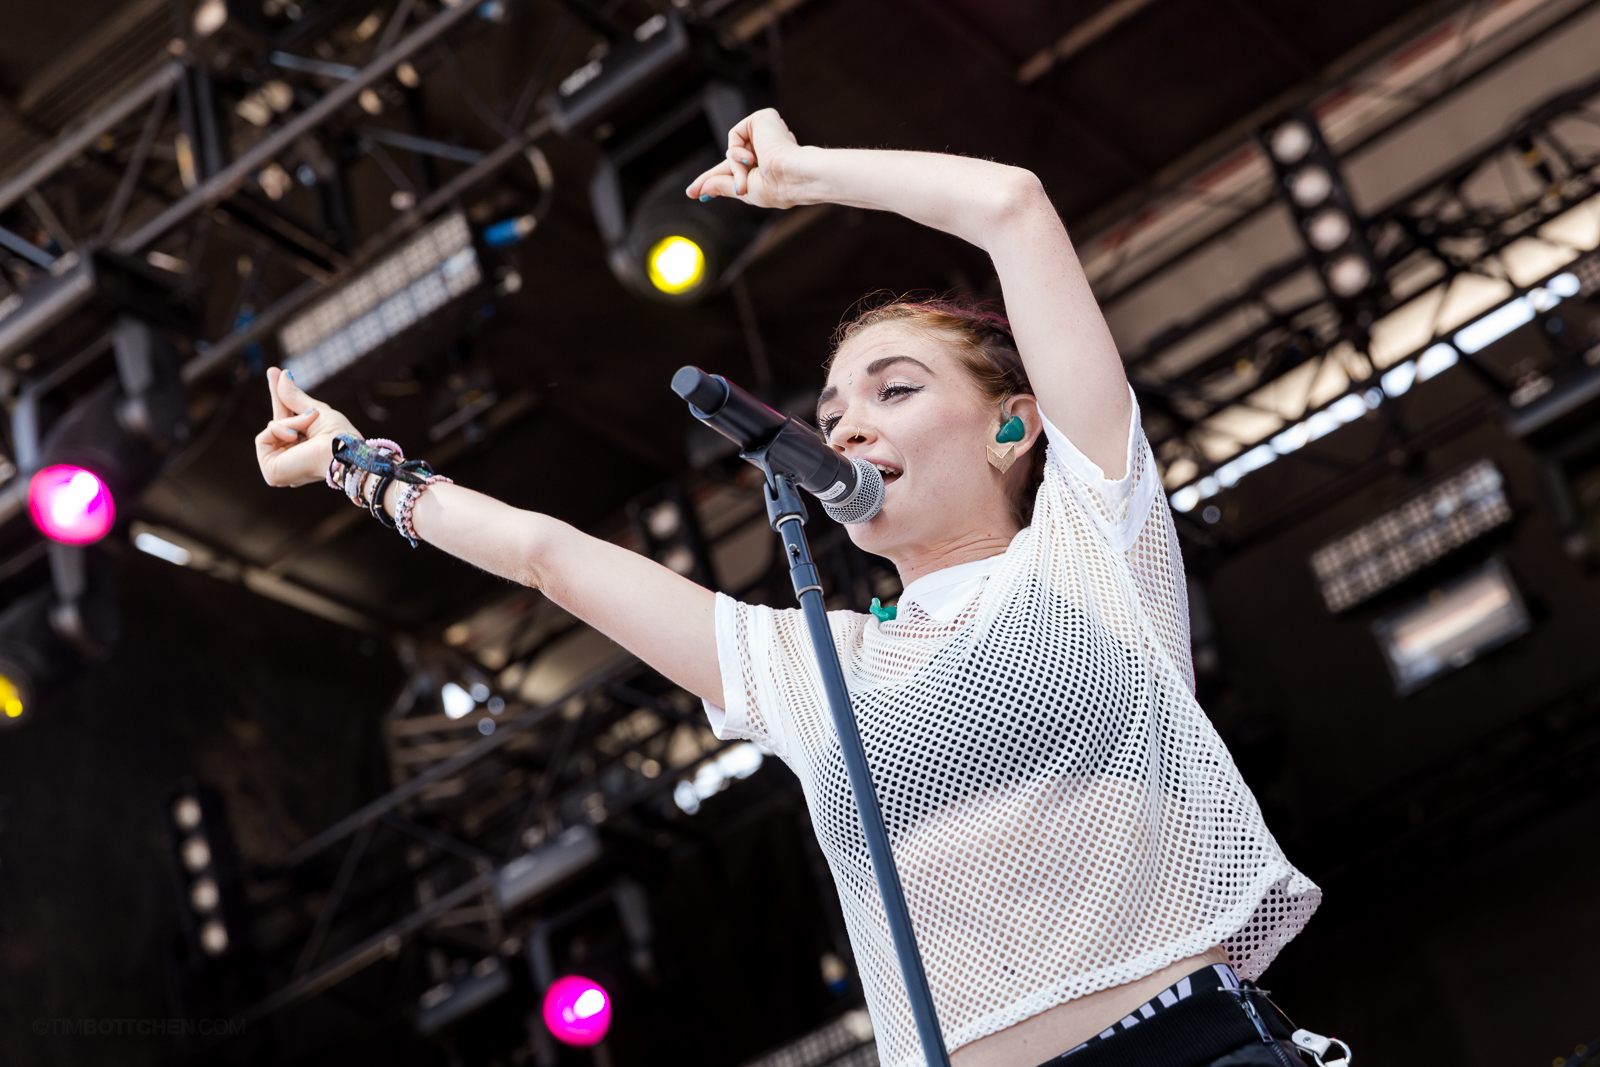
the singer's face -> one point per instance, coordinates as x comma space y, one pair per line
898, 397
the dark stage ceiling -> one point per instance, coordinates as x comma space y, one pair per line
1139, 95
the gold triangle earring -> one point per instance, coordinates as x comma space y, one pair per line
1003, 457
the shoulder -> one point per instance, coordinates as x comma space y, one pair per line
1119, 505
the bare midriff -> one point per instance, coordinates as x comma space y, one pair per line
1066, 1026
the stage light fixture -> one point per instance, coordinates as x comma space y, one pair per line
1328, 229
577, 1010
90, 432
660, 244
676, 265
416, 280
204, 895
659, 106
209, 17
161, 548
97, 427
214, 937
456, 701
1451, 626
1290, 142
186, 812
196, 853
11, 699
1380, 554
1348, 275
1312, 186
70, 504
201, 858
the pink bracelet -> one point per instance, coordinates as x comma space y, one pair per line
384, 442
407, 504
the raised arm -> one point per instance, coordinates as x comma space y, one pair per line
658, 615
1061, 335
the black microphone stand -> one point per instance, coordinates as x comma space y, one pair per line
787, 513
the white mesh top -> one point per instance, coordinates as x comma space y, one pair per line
1064, 817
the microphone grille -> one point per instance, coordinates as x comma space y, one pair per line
862, 504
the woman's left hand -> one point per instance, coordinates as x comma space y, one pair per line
760, 165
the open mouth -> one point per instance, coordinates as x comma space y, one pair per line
889, 473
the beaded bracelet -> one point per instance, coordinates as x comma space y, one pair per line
405, 508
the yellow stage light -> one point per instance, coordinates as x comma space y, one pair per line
676, 265
10, 698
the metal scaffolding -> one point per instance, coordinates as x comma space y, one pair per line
1460, 224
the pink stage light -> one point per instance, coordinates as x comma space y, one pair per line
70, 504
577, 1010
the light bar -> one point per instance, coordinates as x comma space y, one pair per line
1405, 539
433, 268
1452, 626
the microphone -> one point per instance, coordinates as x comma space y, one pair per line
851, 491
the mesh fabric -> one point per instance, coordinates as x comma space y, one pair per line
1063, 815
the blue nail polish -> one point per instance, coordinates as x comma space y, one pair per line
704, 197
746, 162
290, 373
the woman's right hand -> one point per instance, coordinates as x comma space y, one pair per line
759, 167
297, 445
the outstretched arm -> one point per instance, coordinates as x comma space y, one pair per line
658, 615
1071, 358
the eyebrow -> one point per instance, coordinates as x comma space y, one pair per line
872, 368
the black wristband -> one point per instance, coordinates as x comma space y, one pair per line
376, 504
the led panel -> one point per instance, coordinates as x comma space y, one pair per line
1452, 626
1407, 538
433, 268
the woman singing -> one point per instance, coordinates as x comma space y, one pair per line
1089, 877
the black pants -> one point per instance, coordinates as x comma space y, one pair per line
1213, 1025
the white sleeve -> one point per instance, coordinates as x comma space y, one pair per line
746, 643
1118, 506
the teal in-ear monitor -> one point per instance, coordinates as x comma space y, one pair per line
1013, 430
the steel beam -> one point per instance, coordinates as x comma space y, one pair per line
377, 809
236, 173
68, 147
385, 942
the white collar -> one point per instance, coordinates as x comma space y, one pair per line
943, 593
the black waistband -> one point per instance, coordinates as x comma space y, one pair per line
1196, 1030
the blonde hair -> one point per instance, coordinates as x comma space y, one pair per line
981, 338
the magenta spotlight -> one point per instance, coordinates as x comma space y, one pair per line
70, 504
577, 1010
